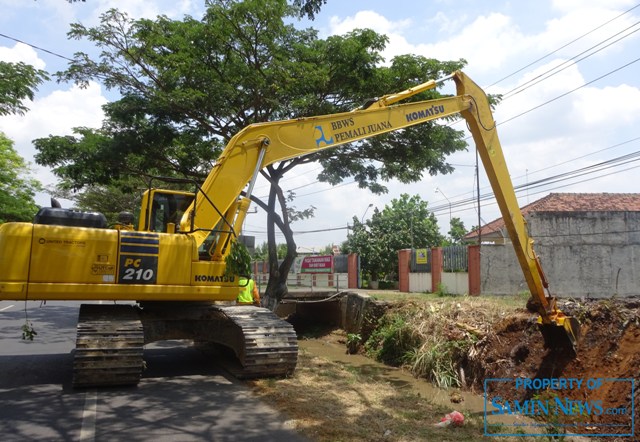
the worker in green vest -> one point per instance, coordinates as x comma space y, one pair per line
248, 292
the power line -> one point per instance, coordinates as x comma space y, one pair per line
491, 196
563, 46
567, 63
598, 167
36, 47
568, 92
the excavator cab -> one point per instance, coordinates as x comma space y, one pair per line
161, 210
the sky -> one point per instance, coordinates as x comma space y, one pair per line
569, 72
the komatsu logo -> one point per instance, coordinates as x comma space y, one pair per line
424, 113
214, 278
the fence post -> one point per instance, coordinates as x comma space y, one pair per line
404, 261
352, 271
436, 268
474, 270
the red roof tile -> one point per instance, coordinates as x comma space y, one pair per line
572, 202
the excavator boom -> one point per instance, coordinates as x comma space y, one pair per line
260, 145
173, 279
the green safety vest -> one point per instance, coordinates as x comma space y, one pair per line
246, 291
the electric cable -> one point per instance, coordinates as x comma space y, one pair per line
564, 46
36, 47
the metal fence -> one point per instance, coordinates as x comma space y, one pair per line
454, 259
340, 264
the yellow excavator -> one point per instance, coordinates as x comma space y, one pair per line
171, 268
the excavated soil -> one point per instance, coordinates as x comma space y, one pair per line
609, 348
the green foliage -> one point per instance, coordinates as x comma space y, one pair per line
188, 86
17, 83
17, 188
442, 290
238, 261
353, 338
28, 332
309, 8
555, 429
438, 361
353, 342
262, 251
457, 231
120, 196
403, 224
392, 340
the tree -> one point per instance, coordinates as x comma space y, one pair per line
309, 7
18, 81
188, 86
17, 189
262, 251
405, 223
457, 231
109, 199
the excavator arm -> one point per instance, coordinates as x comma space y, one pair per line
558, 330
260, 145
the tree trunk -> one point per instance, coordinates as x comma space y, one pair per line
277, 284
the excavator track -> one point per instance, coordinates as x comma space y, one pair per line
109, 345
266, 346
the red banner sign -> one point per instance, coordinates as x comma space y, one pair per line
317, 264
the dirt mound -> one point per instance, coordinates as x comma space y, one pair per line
608, 349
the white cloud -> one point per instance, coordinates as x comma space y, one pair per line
397, 43
21, 53
137, 9
610, 107
584, 28
567, 6
54, 114
486, 43
446, 24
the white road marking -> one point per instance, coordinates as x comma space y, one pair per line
88, 429
6, 308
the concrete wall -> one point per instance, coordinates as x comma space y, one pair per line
500, 272
419, 282
593, 254
454, 283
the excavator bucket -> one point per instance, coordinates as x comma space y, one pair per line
561, 334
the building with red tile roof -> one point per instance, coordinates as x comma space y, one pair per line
495, 231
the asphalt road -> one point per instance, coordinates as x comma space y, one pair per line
183, 396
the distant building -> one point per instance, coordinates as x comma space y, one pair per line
562, 204
310, 250
588, 244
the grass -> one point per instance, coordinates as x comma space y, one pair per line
500, 302
431, 335
332, 401
328, 401
426, 333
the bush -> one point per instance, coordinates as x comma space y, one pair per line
392, 341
